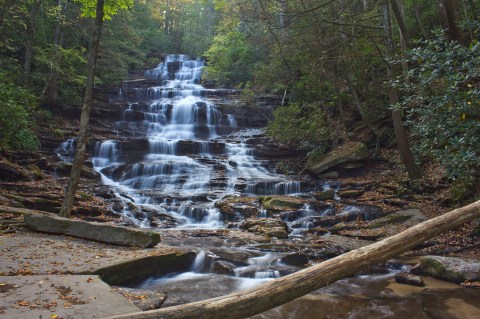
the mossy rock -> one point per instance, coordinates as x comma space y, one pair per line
266, 226
348, 152
451, 269
351, 193
282, 203
325, 195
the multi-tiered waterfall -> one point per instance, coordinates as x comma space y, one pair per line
186, 154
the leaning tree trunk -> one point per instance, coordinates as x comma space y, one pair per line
406, 155
71, 188
279, 291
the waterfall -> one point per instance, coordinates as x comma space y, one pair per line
185, 150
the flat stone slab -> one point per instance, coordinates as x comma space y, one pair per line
102, 232
66, 297
32, 253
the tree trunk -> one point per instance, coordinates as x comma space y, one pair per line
71, 188
449, 17
30, 38
50, 91
279, 291
406, 155
418, 19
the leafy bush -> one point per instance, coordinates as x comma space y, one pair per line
231, 59
302, 125
16, 108
443, 107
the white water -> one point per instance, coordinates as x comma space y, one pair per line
192, 159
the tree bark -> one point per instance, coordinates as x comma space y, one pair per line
418, 19
277, 292
449, 18
406, 155
80, 150
27, 64
50, 91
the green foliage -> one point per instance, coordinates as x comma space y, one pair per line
111, 8
231, 59
443, 107
16, 120
302, 125
69, 64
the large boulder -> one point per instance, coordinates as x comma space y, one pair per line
282, 203
266, 226
452, 269
117, 235
348, 152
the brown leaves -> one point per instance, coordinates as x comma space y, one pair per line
471, 284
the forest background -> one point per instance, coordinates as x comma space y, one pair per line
392, 73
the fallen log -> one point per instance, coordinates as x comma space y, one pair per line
247, 303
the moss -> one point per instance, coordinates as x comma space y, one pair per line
282, 203
434, 268
390, 219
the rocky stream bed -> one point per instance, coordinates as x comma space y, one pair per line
233, 211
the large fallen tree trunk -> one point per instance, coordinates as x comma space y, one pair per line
277, 292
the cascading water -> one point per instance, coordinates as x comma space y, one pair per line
193, 153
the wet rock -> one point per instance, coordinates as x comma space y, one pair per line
90, 230
282, 203
222, 267
409, 279
329, 175
242, 205
324, 195
266, 226
64, 169
350, 193
143, 298
236, 256
452, 269
349, 213
348, 152
295, 259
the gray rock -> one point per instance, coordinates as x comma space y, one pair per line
266, 226
409, 279
348, 152
222, 267
326, 194
451, 268
117, 235
350, 193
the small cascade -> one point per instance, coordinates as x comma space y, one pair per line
199, 262
66, 150
303, 222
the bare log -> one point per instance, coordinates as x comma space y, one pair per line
279, 291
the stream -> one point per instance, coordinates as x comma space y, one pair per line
183, 154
